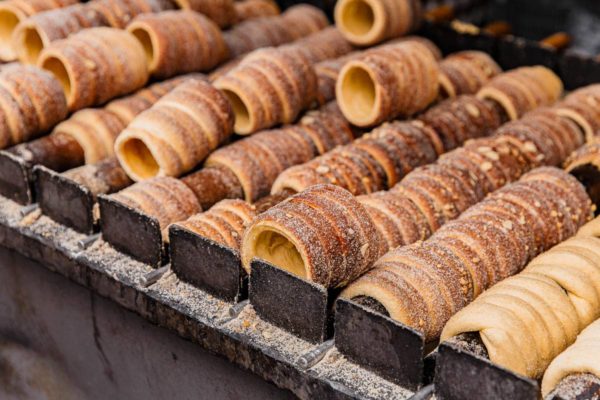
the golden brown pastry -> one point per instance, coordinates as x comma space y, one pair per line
257, 160
96, 65
269, 87
14, 11
223, 223
579, 358
367, 22
222, 12
424, 284
323, 45
583, 107
302, 235
181, 41
296, 22
119, 13
31, 103
176, 133
38, 31
375, 161
164, 198
213, 184
523, 89
466, 72
250, 9
104, 177
395, 80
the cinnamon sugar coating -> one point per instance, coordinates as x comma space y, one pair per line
389, 81
269, 87
38, 31
583, 107
465, 72
96, 65
259, 159
322, 234
224, 223
31, 103
176, 133
180, 41
491, 241
367, 22
250, 9
523, 89
16, 11
164, 198
222, 12
294, 23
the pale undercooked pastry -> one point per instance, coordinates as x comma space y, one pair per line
14, 11
527, 320
180, 41
35, 33
389, 81
257, 160
523, 89
422, 285
466, 72
322, 234
269, 87
176, 133
296, 22
223, 223
581, 357
166, 199
367, 22
116, 66
31, 102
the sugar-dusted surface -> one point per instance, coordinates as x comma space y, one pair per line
245, 340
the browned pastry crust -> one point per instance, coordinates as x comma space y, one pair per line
103, 177
95, 65
211, 185
166, 199
269, 87
296, 22
424, 284
224, 223
386, 82
462, 118
39, 30
176, 133
180, 41
14, 11
31, 103
128, 107
322, 234
322, 45
584, 156
222, 12
119, 13
523, 89
376, 161
583, 107
250, 9
367, 22
260, 158
466, 72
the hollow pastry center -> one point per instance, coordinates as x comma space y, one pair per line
146, 41
240, 110
358, 92
58, 69
358, 17
139, 159
8, 23
280, 251
32, 45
